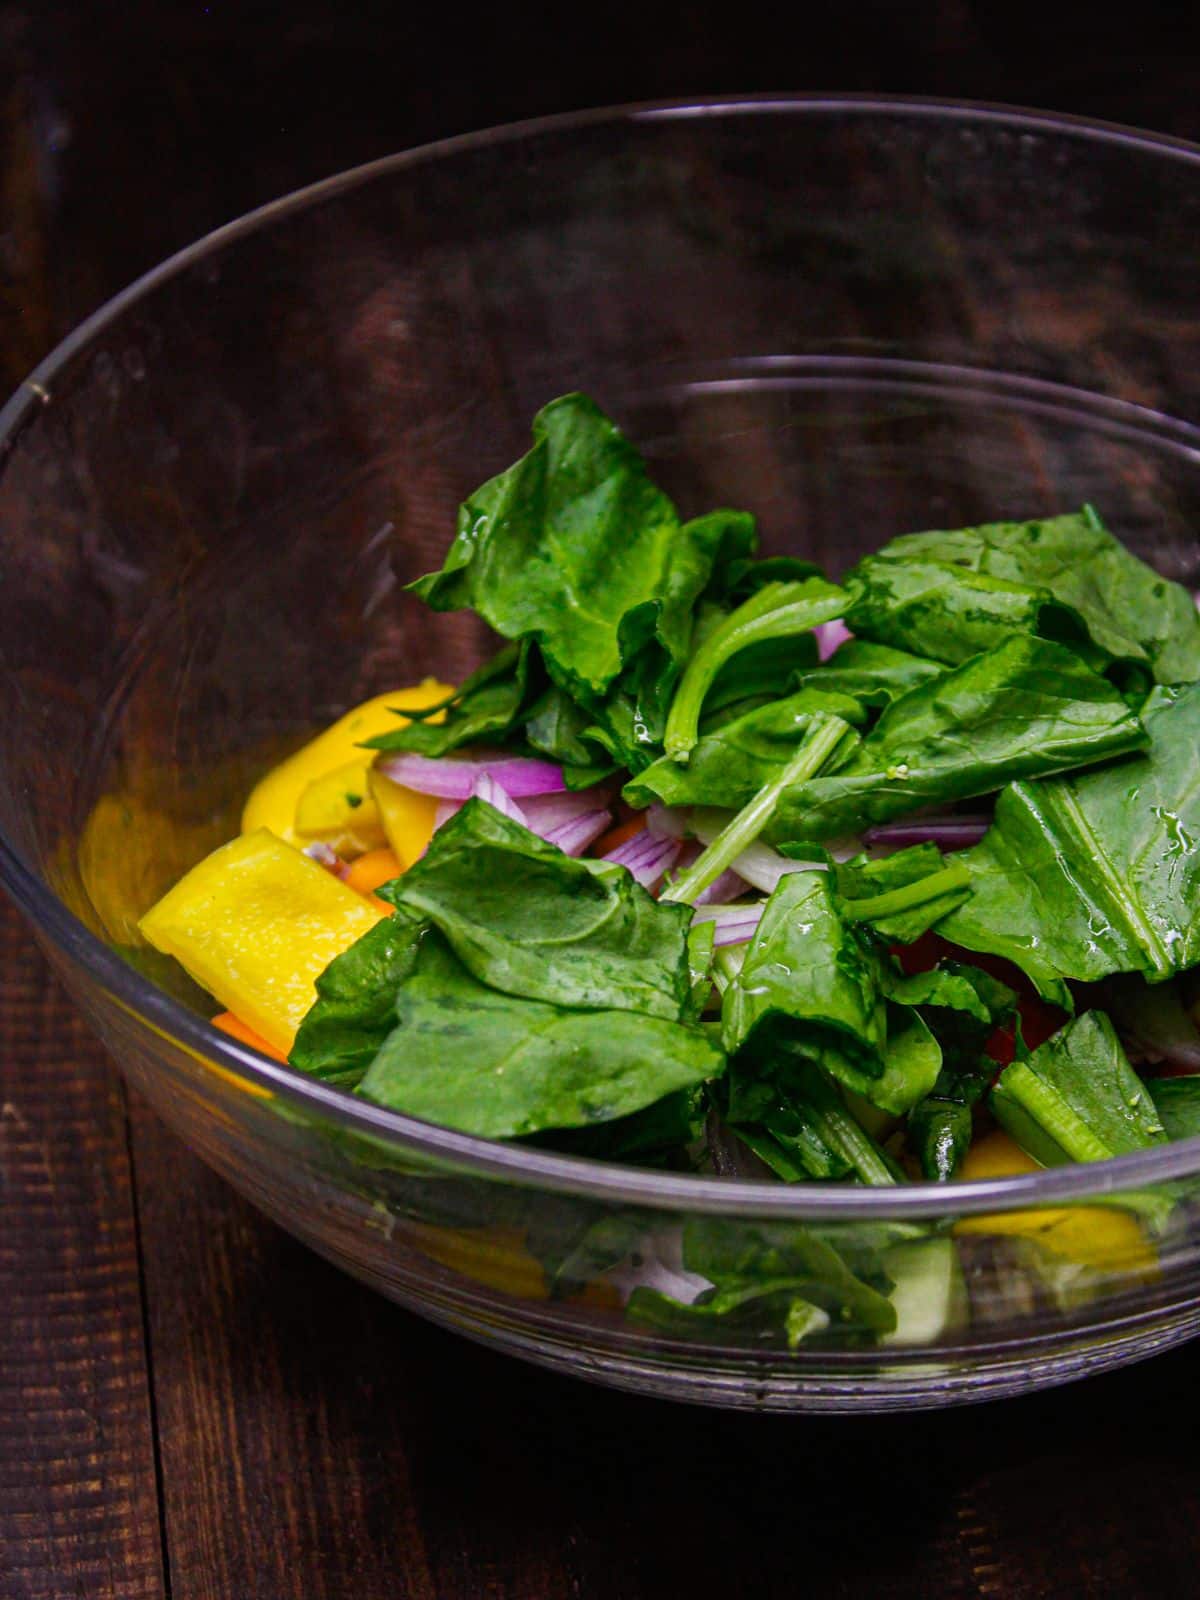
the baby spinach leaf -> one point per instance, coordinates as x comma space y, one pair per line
797, 1114
962, 1006
531, 921
901, 895
810, 986
559, 728
1026, 708
729, 766
489, 707
776, 611
1076, 1098
874, 674
949, 613
1096, 872
965, 585
955, 990
1177, 1102
655, 1136
728, 1250
576, 547
468, 1057
766, 1277
356, 998
759, 676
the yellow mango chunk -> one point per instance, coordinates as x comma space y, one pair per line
338, 802
407, 817
498, 1257
273, 801
1096, 1236
255, 924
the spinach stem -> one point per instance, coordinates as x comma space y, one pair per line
952, 876
825, 734
776, 611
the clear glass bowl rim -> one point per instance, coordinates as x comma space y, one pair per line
598, 1181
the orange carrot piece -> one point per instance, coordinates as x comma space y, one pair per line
237, 1029
372, 869
618, 835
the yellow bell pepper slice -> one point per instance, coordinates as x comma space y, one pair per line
407, 817
274, 800
255, 924
1103, 1237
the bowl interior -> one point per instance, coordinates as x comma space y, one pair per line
825, 313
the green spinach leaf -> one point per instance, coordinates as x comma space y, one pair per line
468, 1057
775, 612
576, 547
901, 895
768, 1277
797, 1121
1026, 708
873, 674
1177, 1102
489, 707
355, 1008
1076, 1098
948, 595
962, 1005
729, 766
1097, 872
810, 986
530, 921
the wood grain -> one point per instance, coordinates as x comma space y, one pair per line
78, 1503
313, 1441
319, 1442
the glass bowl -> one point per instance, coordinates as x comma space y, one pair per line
855, 318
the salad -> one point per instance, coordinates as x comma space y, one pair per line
722, 866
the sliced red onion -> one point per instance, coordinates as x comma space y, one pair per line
646, 857
729, 886
326, 856
734, 924
573, 836
546, 811
454, 779
830, 637
948, 833
758, 865
667, 822
446, 809
763, 867
656, 1262
486, 788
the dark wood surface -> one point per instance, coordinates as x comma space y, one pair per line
191, 1404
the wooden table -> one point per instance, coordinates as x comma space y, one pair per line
190, 1403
